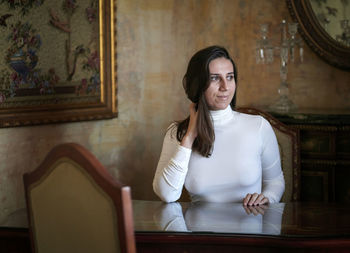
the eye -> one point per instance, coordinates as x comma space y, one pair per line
214, 78
230, 77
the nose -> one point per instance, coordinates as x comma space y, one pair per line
224, 85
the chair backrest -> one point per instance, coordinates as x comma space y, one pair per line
289, 146
75, 205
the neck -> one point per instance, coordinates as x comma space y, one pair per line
221, 117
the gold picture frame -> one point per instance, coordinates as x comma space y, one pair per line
33, 99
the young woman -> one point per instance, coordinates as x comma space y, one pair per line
220, 155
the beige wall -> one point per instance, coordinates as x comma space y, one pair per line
155, 41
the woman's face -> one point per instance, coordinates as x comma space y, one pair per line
222, 84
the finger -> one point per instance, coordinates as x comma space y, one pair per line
252, 199
260, 210
246, 199
264, 201
259, 199
263, 206
247, 210
253, 210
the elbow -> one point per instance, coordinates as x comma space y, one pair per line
164, 196
274, 195
167, 199
283, 189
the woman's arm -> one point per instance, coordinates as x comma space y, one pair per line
172, 169
191, 133
173, 163
272, 176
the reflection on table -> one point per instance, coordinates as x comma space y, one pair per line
214, 227
282, 219
220, 218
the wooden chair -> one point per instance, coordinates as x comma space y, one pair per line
74, 205
289, 146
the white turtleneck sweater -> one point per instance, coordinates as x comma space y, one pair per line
245, 159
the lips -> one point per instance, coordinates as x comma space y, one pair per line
223, 97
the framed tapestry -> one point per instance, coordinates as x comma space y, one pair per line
57, 62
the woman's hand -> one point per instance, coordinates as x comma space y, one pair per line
255, 199
191, 133
256, 210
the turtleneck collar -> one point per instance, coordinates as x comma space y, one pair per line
221, 117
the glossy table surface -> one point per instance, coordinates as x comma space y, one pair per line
321, 220
313, 220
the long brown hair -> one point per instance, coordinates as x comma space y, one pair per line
195, 83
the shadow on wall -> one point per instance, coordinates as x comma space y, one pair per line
137, 163
25, 151
31, 145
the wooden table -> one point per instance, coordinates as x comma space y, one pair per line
210, 227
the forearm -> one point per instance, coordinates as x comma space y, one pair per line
191, 132
273, 189
188, 140
171, 173
273, 180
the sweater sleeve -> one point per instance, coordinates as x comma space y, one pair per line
172, 169
170, 217
272, 176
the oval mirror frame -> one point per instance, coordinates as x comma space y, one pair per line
316, 37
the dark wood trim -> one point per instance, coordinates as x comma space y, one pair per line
244, 240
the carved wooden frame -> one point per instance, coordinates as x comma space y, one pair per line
56, 112
316, 37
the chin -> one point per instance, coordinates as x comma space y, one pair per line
219, 107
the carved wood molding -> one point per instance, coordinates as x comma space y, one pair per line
316, 37
317, 128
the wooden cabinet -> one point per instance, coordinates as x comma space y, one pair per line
325, 154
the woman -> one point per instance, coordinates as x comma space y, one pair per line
220, 155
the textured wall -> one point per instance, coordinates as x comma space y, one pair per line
155, 41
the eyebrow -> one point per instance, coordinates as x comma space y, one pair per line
214, 74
